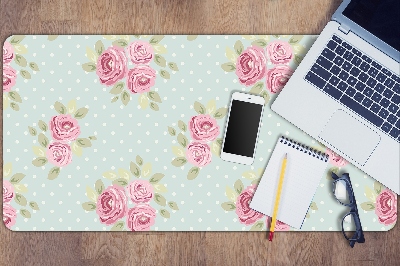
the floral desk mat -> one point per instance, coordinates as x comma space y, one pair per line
124, 132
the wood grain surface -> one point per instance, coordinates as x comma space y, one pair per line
197, 248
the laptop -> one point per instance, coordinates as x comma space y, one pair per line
346, 91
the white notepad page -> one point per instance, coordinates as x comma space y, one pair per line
302, 176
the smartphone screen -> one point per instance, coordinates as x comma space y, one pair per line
241, 133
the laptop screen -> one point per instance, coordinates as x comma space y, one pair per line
379, 17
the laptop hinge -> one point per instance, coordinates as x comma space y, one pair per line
344, 29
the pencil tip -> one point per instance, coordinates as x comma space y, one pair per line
285, 155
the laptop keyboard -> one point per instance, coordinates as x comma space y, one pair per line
360, 83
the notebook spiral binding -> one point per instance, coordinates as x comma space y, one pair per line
303, 148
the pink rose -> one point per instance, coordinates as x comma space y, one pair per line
111, 65
140, 217
141, 79
251, 65
198, 153
279, 226
203, 128
279, 52
335, 159
8, 53
277, 77
247, 215
9, 77
59, 154
8, 191
64, 128
141, 52
9, 215
386, 207
112, 204
140, 191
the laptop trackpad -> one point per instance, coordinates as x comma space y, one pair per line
350, 136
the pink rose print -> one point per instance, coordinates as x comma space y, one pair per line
140, 191
251, 65
386, 207
59, 154
64, 128
112, 204
141, 217
9, 215
8, 191
141, 79
247, 215
277, 78
141, 52
8, 53
279, 52
335, 159
279, 226
111, 65
198, 154
203, 128
9, 77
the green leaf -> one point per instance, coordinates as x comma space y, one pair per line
160, 60
159, 199
173, 205
7, 169
84, 143
219, 141
258, 226
110, 175
257, 88
250, 175
193, 173
60, 108
220, 113
173, 66
91, 55
135, 170
81, 113
228, 206
231, 55
14, 106
34, 205
146, 169
159, 49
182, 140
42, 125
34, 66
25, 74
89, 206
91, 194
370, 194
238, 186
17, 39
20, 199
120, 43
228, 67
40, 161
191, 37
211, 106
298, 59
99, 47
15, 96
154, 96
156, 178
99, 186
260, 42
143, 101
20, 60
156, 39
164, 74
113, 100
15, 179
76, 149
25, 213
378, 187
53, 173
199, 108
171, 131
32, 131
120, 182
178, 151
139, 160
313, 206
89, 67
368, 206
231, 194
39, 151
164, 213
266, 96
238, 47
308, 215
124, 174
330, 171
179, 161
295, 39
71, 106
182, 125
154, 106
215, 149
276, 36
160, 188
20, 188
43, 140
20, 49
52, 37
117, 88
118, 226
125, 97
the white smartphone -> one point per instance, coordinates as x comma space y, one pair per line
242, 127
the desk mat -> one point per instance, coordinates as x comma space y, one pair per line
124, 132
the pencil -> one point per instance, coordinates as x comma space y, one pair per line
277, 199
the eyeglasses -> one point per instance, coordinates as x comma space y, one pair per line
344, 194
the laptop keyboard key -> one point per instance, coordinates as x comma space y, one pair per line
386, 127
314, 79
346, 66
363, 77
334, 80
359, 97
321, 72
367, 102
393, 108
351, 81
337, 39
394, 132
355, 51
388, 93
383, 113
342, 86
332, 91
375, 108
376, 97
322, 61
396, 99
391, 119
340, 50
371, 82
386, 71
379, 88
396, 88
356, 61
355, 71
360, 86
361, 110
335, 70
366, 58
332, 44
343, 75
398, 123
389, 82
346, 45
368, 91
373, 72
364, 66
385, 102
381, 77
338, 60
348, 55
328, 54
376, 65
350, 91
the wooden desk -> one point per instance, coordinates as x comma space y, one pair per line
181, 17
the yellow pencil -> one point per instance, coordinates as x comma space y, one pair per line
277, 199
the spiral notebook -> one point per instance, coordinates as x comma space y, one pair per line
304, 170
